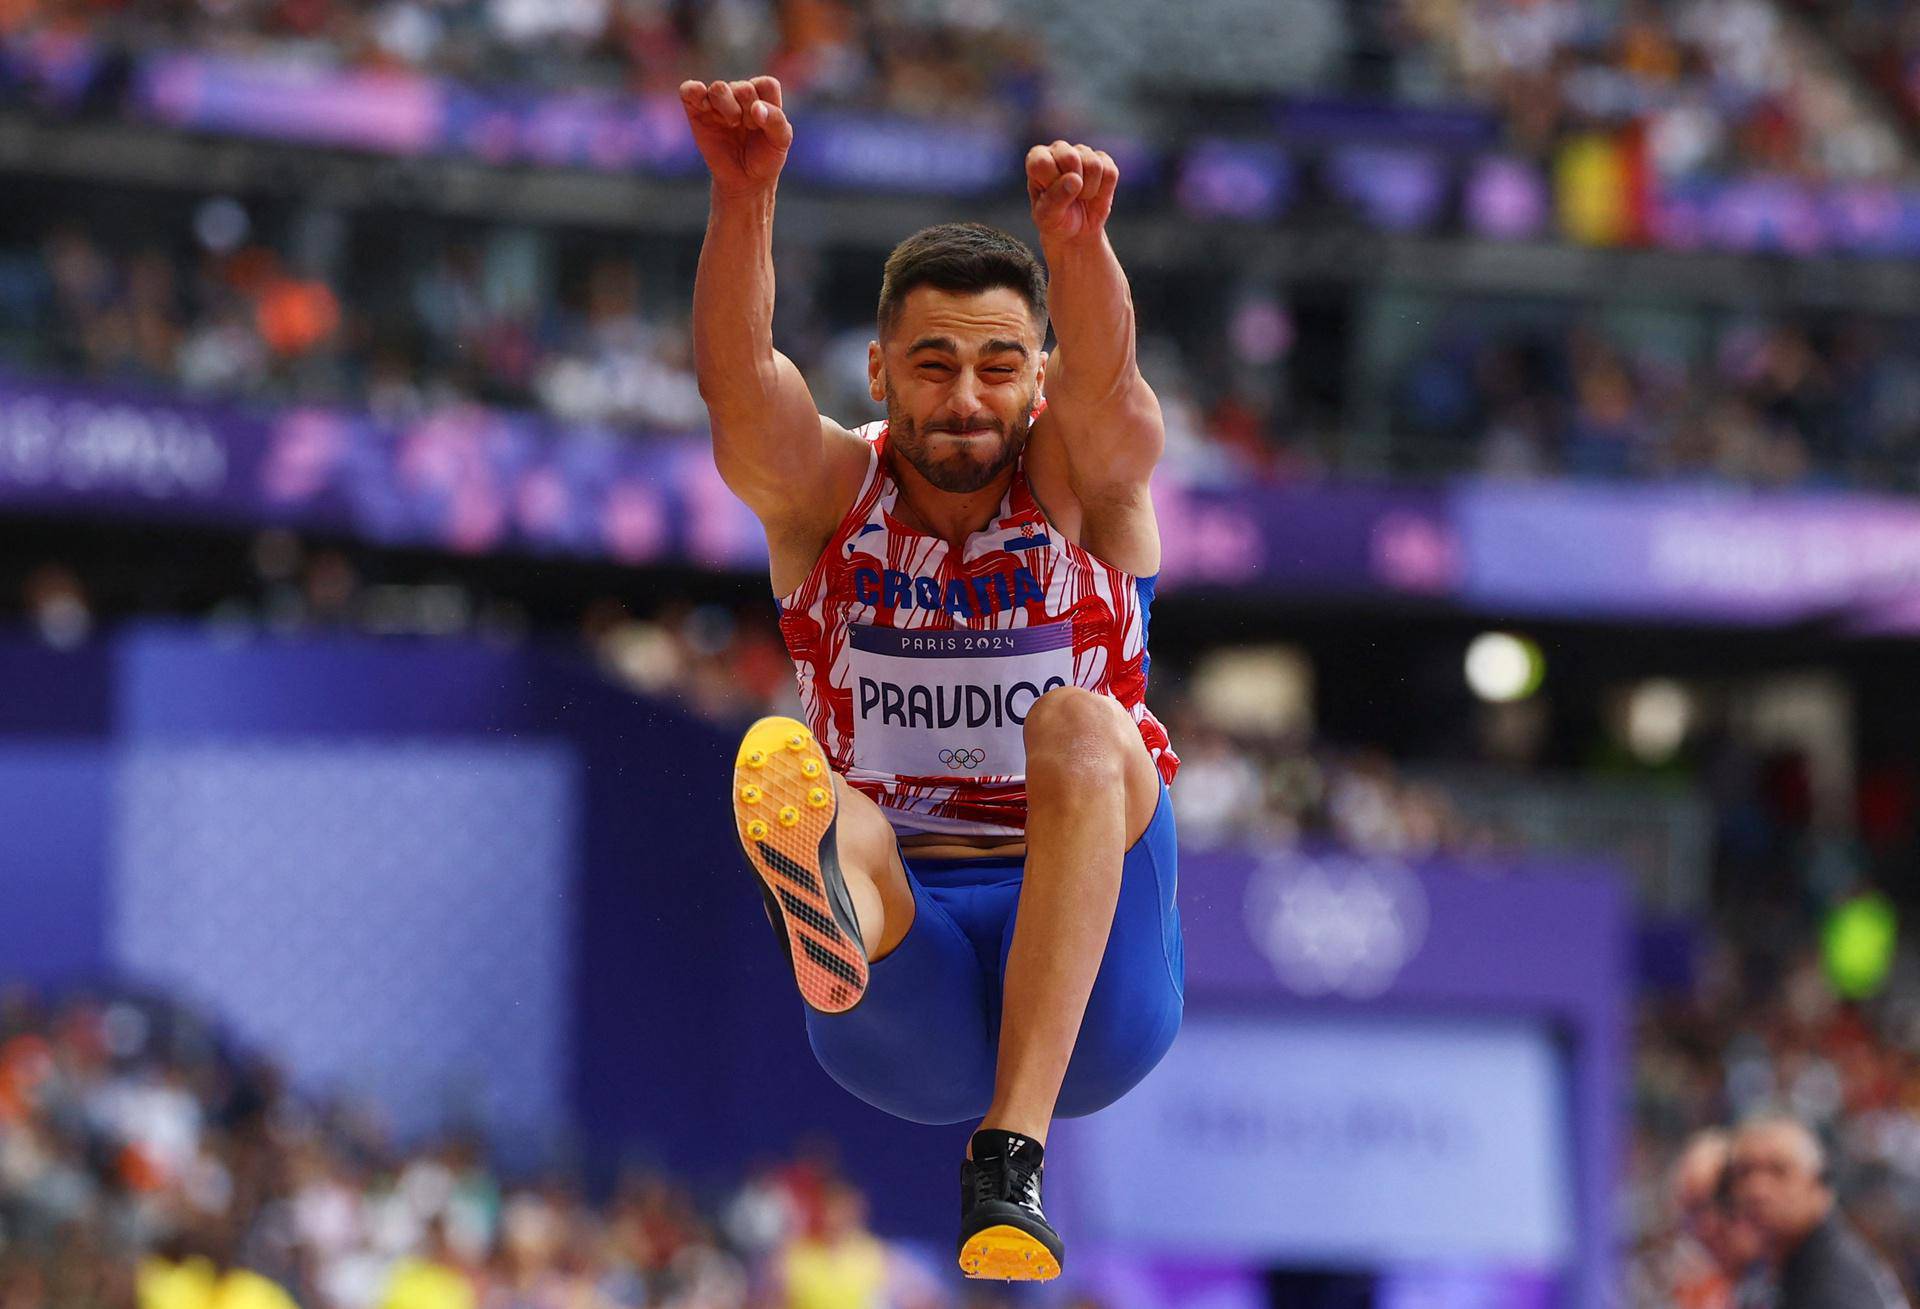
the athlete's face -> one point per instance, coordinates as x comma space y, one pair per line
958, 372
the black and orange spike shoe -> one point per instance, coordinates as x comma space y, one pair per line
1004, 1234
784, 808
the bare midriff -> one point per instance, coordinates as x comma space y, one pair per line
937, 845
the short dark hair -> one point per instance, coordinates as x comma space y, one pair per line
964, 257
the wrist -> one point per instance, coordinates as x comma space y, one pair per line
1062, 249
752, 199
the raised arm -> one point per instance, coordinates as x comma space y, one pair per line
794, 469
1106, 417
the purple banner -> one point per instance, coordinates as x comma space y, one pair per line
466, 479
600, 130
897, 153
1355, 943
1326, 539
474, 480
1329, 925
1699, 555
1783, 215
1251, 181
393, 113
1394, 188
75, 447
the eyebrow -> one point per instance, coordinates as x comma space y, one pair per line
948, 345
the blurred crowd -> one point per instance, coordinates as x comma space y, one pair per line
1700, 86
588, 334
1882, 40
598, 339
1758, 1032
950, 56
1707, 84
223, 314
147, 1164
1756, 403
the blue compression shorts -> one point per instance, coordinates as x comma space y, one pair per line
922, 1043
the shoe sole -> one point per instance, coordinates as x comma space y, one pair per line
1007, 1254
783, 810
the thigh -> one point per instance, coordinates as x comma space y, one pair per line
920, 1044
1138, 996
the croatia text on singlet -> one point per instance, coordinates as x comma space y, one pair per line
917, 665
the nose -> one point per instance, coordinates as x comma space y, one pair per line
965, 396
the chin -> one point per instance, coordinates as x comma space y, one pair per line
963, 479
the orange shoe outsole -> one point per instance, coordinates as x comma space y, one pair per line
1007, 1254
783, 809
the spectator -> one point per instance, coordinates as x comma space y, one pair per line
1703, 1200
839, 1265
208, 1279
1781, 1184
432, 1279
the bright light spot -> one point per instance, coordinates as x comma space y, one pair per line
1502, 667
1859, 940
1658, 715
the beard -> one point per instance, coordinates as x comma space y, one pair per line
961, 471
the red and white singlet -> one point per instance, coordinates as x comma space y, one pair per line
917, 666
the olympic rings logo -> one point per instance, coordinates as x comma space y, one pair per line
963, 758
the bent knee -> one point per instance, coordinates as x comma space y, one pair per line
1076, 729
1080, 742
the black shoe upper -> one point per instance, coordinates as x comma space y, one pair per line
1001, 1185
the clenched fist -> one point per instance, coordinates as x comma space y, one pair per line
741, 132
1070, 188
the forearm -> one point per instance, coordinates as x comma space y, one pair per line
1091, 307
733, 353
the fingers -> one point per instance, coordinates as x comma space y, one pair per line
773, 121
1042, 172
1066, 158
753, 104
1062, 173
1102, 175
724, 103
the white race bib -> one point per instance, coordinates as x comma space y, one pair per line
951, 703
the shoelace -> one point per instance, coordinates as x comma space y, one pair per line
1004, 1179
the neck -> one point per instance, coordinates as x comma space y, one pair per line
953, 516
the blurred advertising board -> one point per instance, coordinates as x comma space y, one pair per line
474, 480
1688, 553
1370, 1143
1395, 1066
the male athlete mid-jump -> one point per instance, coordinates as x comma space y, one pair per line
967, 850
